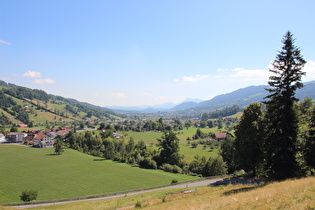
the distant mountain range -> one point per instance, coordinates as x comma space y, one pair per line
241, 97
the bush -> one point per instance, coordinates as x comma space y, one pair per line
174, 181
28, 196
148, 163
167, 167
138, 204
177, 169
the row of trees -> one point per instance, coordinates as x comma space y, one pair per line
166, 157
276, 138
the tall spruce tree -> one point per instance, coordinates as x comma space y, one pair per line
281, 120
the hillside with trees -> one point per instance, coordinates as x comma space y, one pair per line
21, 105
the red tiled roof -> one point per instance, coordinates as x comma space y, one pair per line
39, 137
220, 135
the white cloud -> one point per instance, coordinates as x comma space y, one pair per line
44, 81
118, 95
176, 80
5, 42
309, 68
32, 74
194, 79
162, 98
247, 74
147, 94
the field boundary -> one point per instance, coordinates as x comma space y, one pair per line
107, 194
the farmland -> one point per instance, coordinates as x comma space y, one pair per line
70, 175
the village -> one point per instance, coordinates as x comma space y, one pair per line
35, 137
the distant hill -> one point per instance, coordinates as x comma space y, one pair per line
35, 107
243, 97
143, 108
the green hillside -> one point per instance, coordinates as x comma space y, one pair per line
35, 108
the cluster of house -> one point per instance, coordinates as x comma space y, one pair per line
35, 137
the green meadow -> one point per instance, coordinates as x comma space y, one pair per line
71, 174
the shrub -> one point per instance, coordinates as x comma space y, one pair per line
148, 163
174, 181
177, 169
167, 167
138, 204
28, 196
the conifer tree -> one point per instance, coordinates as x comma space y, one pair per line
281, 120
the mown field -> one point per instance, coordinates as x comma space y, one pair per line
290, 194
69, 175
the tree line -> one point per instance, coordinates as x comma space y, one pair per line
166, 157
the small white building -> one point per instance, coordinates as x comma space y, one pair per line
2, 137
15, 137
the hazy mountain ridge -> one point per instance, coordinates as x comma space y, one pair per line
241, 97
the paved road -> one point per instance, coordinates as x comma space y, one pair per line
191, 184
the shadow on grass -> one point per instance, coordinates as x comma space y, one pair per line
51, 154
99, 159
257, 182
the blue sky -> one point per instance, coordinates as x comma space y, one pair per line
143, 52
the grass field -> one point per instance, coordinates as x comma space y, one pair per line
290, 194
69, 175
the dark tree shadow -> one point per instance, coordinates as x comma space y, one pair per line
257, 182
51, 154
99, 159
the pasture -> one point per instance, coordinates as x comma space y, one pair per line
71, 174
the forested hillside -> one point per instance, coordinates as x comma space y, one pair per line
36, 107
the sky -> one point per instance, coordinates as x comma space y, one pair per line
140, 52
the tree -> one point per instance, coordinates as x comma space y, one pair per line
248, 139
310, 142
214, 167
58, 145
281, 119
169, 145
28, 196
227, 151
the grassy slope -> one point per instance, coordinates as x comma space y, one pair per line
290, 194
69, 175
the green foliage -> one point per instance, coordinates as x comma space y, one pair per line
148, 163
228, 152
214, 167
281, 120
169, 145
174, 181
249, 139
28, 195
58, 145
310, 141
221, 113
138, 204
